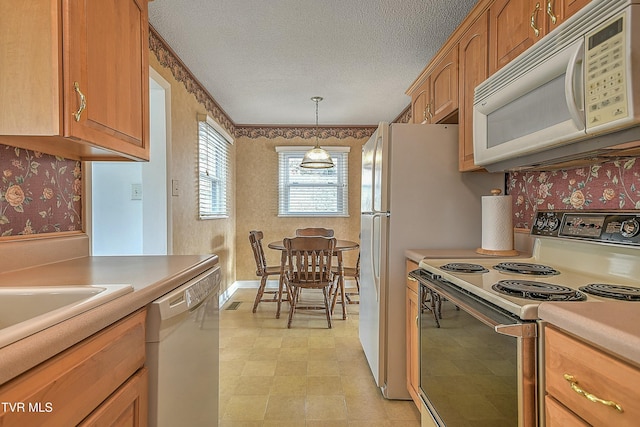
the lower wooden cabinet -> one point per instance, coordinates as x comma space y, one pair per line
574, 370
556, 415
101, 377
127, 406
413, 337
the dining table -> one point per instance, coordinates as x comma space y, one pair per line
340, 247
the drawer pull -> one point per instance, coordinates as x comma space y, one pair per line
83, 102
575, 387
552, 15
534, 20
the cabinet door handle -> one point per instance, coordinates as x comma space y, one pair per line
428, 111
575, 387
83, 102
534, 16
552, 15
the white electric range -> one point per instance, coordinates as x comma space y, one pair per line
586, 256
479, 311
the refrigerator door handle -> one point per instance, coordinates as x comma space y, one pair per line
373, 170
375, 265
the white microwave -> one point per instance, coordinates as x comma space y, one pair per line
573, 93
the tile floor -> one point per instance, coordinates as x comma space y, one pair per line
308, 375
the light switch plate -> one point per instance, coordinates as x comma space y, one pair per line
136, 191
175, 188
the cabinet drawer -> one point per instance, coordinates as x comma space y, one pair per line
559, 416
69, 386
595, 372
412, 283
128, 406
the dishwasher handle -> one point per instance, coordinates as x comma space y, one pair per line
187, 297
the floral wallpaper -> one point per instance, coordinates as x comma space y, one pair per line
39, 193
608, 186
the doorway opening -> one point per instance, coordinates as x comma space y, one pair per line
129, 207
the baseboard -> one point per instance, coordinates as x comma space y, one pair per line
254, 284
243, 284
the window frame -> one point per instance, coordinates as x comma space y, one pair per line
340, 155
213, 142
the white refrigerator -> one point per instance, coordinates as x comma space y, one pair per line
413, 197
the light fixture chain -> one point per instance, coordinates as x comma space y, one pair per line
317, 158
317, 100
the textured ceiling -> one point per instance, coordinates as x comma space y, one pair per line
262, 60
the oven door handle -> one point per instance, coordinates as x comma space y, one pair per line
519, 330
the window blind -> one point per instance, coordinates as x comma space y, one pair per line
312, 192
213, 170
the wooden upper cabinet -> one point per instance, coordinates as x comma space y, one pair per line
108, 63
74, 78
474, 69
444, 87
559, 11
515, 25
511, 29
436, 97
419, 103
493, 34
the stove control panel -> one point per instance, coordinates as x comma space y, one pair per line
605, 227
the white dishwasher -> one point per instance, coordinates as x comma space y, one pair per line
182, 354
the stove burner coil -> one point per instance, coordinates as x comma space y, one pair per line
619, 292
463, 267
539, 291
526, 268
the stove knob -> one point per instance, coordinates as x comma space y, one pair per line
553, 223
629, 227
541, 223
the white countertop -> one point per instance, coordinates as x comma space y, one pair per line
418, 255
150, 276
523, 243
613, 326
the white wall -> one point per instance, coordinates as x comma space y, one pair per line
120, 225
154, 178
116, 219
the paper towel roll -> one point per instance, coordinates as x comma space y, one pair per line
497, 225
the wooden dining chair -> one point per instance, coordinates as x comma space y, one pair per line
264, 271
309, 267
338, 286
314, 231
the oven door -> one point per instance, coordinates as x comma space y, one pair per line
477, 363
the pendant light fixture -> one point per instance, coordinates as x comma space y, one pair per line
317, 158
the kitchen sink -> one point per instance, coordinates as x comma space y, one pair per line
27, 310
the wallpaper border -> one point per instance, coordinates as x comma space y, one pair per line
272, 132
169, 59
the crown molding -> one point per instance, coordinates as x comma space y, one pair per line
405, 116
